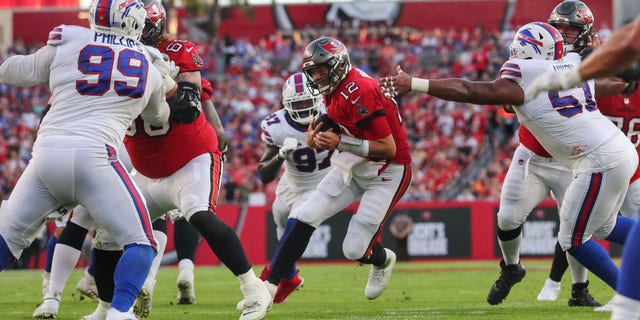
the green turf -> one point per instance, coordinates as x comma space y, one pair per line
451, 290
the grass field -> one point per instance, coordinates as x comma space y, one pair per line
447, 290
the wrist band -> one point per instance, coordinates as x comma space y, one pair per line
420, 85
353, 145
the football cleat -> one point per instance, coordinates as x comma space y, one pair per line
100, 313
257, 300
114, 314
48, 309
286, 287
509, 276
87, 286
580, 296
186, 290
606, 308
550, 291
142, 305
379, 277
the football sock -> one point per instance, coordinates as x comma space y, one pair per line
131, 271
559, 264
185, 239
6, 258
224, 242
51, 245
104, 268
510, 242
377, 257
64, 260
629, 279
578, 271
621, 230
292, 249
593, 256
161, 244
290, 223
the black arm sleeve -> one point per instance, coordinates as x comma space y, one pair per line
185, 103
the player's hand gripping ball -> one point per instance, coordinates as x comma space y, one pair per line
326, 123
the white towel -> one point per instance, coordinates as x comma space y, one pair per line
345, 161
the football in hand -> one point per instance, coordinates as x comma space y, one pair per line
326, 123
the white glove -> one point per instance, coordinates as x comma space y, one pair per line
288, 145
168, 69
552, 81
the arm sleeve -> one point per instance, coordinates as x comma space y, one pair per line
28, 70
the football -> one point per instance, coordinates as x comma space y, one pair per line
326, 123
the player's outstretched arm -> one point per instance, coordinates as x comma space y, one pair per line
497, 92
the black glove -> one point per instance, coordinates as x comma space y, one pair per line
185, 103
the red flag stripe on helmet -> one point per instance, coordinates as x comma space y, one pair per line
557, 38
102, 13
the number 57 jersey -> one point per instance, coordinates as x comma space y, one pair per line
568, 123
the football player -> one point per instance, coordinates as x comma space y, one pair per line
601, 165
98, 87
620, 51
374, 165
284, 133
574, 20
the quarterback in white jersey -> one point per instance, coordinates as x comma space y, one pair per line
100, 79
571, 128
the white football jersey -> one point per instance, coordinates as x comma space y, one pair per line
304, 167
99, 84
568, 123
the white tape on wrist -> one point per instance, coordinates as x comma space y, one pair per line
353, 145
420, 85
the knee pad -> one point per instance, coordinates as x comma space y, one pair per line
73, 236
509, 218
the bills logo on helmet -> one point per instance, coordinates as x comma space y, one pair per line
332, 47
526, 38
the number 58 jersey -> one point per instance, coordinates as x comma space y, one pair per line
304, 167
568, 123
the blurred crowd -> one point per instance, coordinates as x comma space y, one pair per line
446, 137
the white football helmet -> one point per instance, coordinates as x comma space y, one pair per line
298, 101
118, 17
537, 40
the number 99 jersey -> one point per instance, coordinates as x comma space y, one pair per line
305, 167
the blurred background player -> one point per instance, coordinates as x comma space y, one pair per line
374, 165
284, 133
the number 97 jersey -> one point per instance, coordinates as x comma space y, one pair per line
304, 167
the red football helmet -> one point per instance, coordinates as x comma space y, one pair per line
155, 25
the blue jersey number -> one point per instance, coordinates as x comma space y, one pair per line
305, 159
569, 106
99, 61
